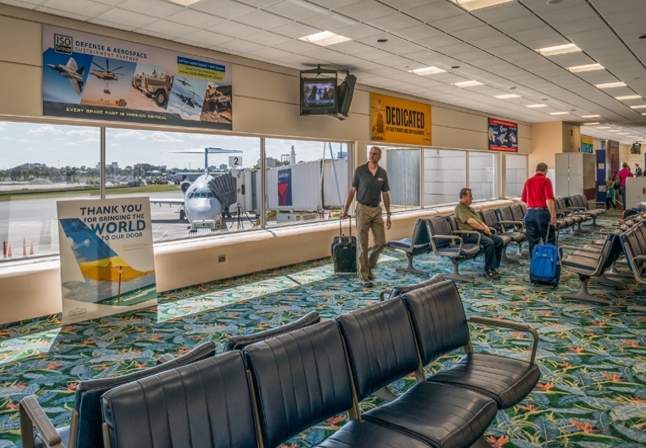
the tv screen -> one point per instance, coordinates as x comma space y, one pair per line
636, 148
318, 96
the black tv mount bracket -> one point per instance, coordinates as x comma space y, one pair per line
319, 71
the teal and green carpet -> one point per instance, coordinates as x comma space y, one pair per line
592, 393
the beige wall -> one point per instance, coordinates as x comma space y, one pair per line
571, 137
547, 140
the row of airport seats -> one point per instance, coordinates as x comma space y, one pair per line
271, 390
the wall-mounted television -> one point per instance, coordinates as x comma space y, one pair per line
636, 148
318, 96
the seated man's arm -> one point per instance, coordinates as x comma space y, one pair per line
479, 226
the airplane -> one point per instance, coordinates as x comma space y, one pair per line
104, 272
106, 73
202, 206
183, 81
72, 73
188, 100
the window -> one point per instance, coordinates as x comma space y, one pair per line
515, 174
482, 175
444, 176
403, 167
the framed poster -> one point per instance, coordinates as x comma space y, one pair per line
396, 120
86, 76
503, 136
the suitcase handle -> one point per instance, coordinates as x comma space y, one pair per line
340, 224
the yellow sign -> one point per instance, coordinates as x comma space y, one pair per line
395, 120
587, 140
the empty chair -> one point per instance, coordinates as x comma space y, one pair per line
635, 251
437, 315
85, 425
398, 290
445, 243
204, 405
419, 243
514, 229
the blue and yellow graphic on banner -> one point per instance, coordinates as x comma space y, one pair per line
200, 69
586, 144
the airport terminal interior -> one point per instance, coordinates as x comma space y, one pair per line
173, 172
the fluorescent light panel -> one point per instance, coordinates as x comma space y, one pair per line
507, 96
184, 2
610, 85
471, 83
628, 97
591, 124
559, 49
603, 127
536, 106
639, 106
427, 71
585, 68
472, 5
622, 133
613, 130
559, 113
324, 38
590, 116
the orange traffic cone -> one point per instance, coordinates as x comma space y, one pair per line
9, 254
31, 249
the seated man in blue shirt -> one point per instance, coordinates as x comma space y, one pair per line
492, 245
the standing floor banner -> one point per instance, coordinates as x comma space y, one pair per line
107, 262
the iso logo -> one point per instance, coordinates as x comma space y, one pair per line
63, 44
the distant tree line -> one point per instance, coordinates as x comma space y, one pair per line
72, 174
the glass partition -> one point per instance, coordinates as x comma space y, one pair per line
403, 168
515, 174
482, 179
445, 175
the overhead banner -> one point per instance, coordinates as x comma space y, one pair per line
395, 120
107, 263
86, 76
586, 144
503, 136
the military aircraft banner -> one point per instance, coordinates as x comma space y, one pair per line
107, 262
87, 76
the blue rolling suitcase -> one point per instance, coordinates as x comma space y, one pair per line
344, 252
545, 267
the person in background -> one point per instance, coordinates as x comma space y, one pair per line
538, 195
638, 170
623, 174
610, 195
370, 183
492, 245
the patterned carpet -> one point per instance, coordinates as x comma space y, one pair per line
592, 393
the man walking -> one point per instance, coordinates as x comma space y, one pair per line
638, 170
538, 195
492, 245
370, 183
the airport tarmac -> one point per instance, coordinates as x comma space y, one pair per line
27, 222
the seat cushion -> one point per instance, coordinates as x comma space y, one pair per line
64, 432
400, 244
442, 415
362, 433
506, 380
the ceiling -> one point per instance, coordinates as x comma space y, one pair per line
495, 46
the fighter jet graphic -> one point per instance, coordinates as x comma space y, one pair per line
73, 74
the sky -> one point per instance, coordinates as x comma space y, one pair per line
58, 146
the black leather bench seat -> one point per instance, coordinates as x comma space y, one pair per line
362, 433
445, 416
506, 380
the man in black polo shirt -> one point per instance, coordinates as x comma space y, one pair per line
492, 245
370, 183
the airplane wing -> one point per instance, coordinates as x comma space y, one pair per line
78, 85
167, 201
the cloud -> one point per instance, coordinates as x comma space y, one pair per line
84, 131
115, 145
126, 134
90, 140
24, 140
59, 139
49, 129
7, 138
71, 144
164, 137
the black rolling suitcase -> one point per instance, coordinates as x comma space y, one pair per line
344, 252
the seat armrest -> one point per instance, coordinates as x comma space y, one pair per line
502, 323
579, 249
383, 294
445, 237
512, 223
164, 358
32, 415
474, 232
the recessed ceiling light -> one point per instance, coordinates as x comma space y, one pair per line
472, 5
536, 106
639, 106
427, 71
471, 83
590, 116
382, 41
603, 127
628, 97
644, 114
559, 113
455, 67
559, 49
610, 85
324, 38
184, 2
553, 2
622, 133
591, 124
585, 68
507, 96
512, 88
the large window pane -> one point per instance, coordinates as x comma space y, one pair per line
403, 167
306, 181
194, 181
482, 175
515, 174
445, 175
39, 165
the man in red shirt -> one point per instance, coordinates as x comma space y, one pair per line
538, 194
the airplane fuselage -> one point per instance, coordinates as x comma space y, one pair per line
200, 202
67, 72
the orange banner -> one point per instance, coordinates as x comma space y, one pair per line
395, 120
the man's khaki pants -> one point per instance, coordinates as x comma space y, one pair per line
369, 218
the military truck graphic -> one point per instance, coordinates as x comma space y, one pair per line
155, 86
217, 99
